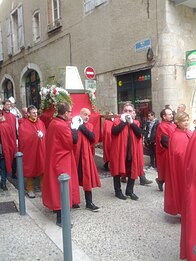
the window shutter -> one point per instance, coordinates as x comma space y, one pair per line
9, 37
1, 46
49, 12
20, 27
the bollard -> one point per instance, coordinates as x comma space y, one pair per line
65, 216
22, 209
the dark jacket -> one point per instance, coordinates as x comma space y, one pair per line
152, 138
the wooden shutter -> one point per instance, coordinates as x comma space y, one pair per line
1, 46
49, 12
20, 27
9, 36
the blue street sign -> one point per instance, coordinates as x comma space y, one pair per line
142, 45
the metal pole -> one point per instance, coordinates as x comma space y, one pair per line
65, 216
22, 208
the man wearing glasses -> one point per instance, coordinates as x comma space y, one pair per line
124, 152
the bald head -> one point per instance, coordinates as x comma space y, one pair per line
181, 107
85, 114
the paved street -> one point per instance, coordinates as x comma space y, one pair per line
122, 230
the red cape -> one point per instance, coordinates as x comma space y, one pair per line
140, 153
119, 150
11, 120
83, 149
188, 220
59, 159
107, 139
162, 159
32, 147
8, 144
174, 180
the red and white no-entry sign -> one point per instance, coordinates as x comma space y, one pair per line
89, 72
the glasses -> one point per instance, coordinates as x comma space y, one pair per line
128, 110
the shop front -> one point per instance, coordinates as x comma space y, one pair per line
136, 88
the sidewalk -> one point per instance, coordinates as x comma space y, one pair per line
122, 230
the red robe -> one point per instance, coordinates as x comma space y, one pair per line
188, 220
107, 139
83, 152
32, 147
8, 145
140, 153
119, 150
11, 120
174, 180
59, 159
165, 128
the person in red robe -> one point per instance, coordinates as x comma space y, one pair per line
124, 152
175, 180
60, 139
143, 180
107, 139
163, 133
11, 120
31, 136
87, 171
188, 217
7, 150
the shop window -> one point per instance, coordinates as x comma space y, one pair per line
54, 15
135, 88
15, 31
36, 26
89, 5
8, 89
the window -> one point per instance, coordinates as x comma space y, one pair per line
1, 46
54, 17
8, 89
36, 26
15, 31
89, 5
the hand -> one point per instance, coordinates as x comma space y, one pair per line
122, 117
129, 118
76, 122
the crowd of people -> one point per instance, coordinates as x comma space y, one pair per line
67, 146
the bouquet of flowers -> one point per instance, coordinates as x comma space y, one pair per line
51, 95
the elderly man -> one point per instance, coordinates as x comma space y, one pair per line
163, 133
181, 107
87, 170
124, 152
31, 136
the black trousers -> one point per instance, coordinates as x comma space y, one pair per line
152, 153
117, 185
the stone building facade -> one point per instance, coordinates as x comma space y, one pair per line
137, 48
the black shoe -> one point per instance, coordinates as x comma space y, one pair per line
14, 176
92, 207
160, 184
132, 195
58, 222
123, 179
4, 187
120, 196
77, 206
144, 181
